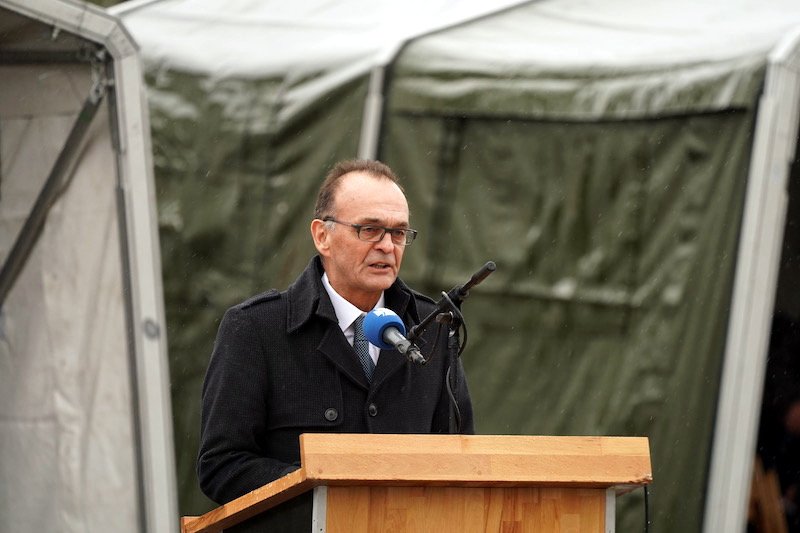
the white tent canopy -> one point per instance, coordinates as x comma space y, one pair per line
260, 39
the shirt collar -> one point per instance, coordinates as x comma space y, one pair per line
346, 313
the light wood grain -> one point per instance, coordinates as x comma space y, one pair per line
464, 510
249, 505
477, 460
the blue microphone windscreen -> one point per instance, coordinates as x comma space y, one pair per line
377, 321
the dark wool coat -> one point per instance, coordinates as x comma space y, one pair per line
281, 366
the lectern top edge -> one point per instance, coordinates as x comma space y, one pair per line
476, 460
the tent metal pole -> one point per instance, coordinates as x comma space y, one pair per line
752, 306
53, 188
373, 112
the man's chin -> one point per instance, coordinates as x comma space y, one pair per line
381, 280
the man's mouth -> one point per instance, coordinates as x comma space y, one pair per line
381, 266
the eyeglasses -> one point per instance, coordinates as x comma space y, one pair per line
372, 233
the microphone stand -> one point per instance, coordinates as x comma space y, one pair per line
448, 311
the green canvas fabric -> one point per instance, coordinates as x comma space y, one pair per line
597, 94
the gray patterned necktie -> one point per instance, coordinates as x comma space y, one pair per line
361, 346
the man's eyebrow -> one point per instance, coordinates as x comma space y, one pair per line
378, 222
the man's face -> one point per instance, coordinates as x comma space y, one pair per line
360, 270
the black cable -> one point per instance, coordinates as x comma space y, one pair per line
463, 337
453, 401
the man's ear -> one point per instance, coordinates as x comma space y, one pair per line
321, 235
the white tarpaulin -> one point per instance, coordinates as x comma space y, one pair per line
85, 433
64, 398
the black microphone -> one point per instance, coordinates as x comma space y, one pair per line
384, 329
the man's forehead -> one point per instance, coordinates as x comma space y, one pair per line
355, 186
370, 200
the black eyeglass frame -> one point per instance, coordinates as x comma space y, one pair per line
408, 234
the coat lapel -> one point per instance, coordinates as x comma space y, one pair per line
307, 298
339, 352
389, 362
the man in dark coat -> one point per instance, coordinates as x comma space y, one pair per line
284, 362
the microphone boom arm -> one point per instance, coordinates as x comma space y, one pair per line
452, 300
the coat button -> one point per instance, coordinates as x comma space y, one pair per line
372, 409
331, 414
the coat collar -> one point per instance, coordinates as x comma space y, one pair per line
307, 297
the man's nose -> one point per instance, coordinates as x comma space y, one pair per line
386, 243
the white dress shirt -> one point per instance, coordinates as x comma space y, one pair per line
347, 313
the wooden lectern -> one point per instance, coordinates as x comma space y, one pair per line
442, 483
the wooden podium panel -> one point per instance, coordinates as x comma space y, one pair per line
459, 509
444, 483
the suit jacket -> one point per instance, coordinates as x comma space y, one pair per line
281, 366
